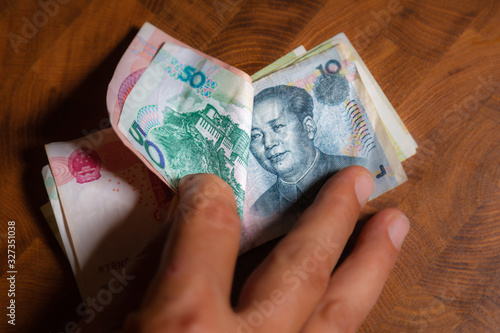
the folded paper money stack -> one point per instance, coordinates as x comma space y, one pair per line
274, 138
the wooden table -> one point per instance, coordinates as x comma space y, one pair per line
437, 61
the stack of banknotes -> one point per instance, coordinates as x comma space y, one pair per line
274, 137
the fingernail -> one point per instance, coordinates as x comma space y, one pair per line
398, 230
363, 185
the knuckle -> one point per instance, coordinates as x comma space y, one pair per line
318, 279
299, 258
198, 191
191, 322
287, 253
187, 314
221, 216
199, 182
336, 317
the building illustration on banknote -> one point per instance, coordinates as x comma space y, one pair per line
212, 141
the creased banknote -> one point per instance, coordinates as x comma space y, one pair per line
182, 111
106, 203
187, 114
401, 139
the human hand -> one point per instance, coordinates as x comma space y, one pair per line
294, 289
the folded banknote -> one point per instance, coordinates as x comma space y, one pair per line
274, 138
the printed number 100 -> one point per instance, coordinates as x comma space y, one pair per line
195, 77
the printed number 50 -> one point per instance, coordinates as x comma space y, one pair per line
195, 78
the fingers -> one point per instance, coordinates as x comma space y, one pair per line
298, 270
203, 243
356, 284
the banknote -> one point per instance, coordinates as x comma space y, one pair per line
399, 136
401, 139
186, 115
176, 111
189, 113
280, 63
311, 119
106, 203
55, 218
49, 216
183, 112
136, 59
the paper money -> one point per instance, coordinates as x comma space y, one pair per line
55, 218
48, 214
311, 119
181, 111
399, 136
401, 139
280, 63
186, 115
177, 110
106, 203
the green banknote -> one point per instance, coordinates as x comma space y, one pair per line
187, 114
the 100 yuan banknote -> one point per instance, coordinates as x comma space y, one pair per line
106, 204
311, 119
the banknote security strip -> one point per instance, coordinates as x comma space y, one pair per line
177, 111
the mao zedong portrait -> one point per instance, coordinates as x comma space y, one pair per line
282, 141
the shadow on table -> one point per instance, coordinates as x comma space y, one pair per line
248, 261
80, 111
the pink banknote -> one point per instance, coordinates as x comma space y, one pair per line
110, 202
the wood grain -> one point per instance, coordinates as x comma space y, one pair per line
437, 61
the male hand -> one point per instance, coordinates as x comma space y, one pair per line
294, 289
